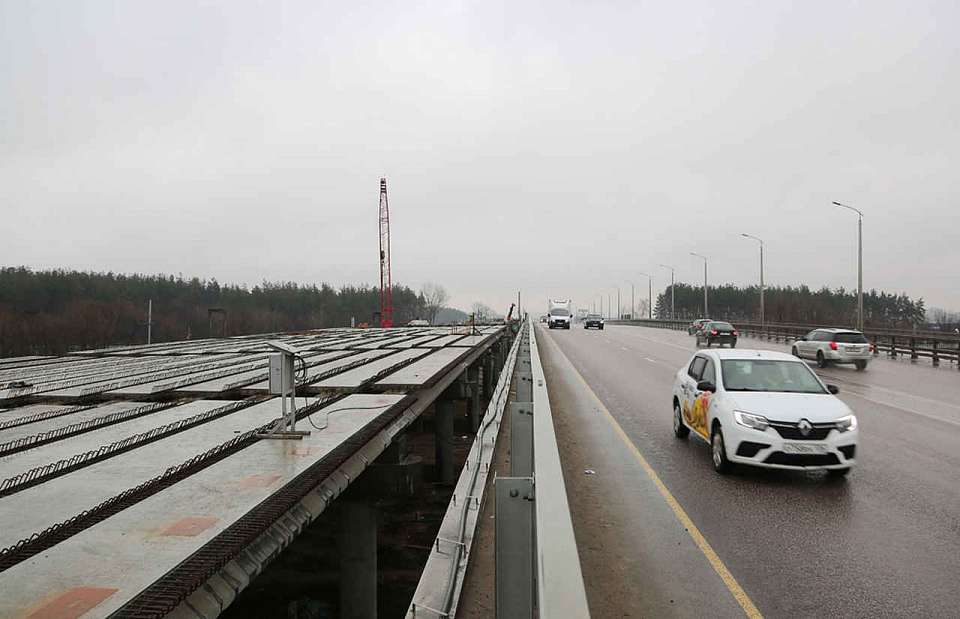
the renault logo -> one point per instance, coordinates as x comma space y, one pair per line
805, 427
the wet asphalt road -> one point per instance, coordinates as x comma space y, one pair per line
884, 542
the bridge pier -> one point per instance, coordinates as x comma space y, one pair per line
474, 386
357, 541
488, 377
443, 438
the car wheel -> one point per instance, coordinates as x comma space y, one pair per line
733, 344
821, 360
838, 472
709, 343
679, 430
795, 352
718, 451
861, 365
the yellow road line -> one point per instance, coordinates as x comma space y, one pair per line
718, 566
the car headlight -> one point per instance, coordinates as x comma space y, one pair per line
845, 424
750, 420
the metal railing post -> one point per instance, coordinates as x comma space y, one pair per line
515, 551
521, 439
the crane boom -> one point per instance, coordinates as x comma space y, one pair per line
386, 285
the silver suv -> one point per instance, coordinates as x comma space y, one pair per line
828, 346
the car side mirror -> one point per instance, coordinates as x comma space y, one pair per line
802, 338
706, 385
833, 389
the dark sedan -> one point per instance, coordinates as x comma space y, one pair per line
593, 321
717, 332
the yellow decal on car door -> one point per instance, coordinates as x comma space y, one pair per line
697, 415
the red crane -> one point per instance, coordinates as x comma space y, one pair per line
386, 286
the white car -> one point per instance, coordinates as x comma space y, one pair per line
834, 346
763, 408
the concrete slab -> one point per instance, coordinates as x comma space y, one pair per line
421, 372
47, 425
472, 340
443, 341
250, 377
165, 369
248, 362
29, 409
24, 461
119, 557
64, 497
415, 342
352, 379
332, 366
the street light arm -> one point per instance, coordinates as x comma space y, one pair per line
847, 206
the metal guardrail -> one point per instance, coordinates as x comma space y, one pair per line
892, 342
538, 566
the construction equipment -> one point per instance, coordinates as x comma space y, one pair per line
386, 286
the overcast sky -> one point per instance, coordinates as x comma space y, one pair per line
558, 148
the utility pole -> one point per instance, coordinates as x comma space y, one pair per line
609, 305
672, 307
649, 295
149, 320
633, 304
706, 310
859, 262
761, 273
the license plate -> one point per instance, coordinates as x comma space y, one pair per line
805, 448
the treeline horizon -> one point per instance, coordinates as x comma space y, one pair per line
54, 311
794, 305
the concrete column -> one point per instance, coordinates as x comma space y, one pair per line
489, 379
473, 377
358, 560
443, 433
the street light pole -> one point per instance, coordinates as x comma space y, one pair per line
672, 306
706, 310
633, 304
744, 234
649, 295
619, 306
859, 261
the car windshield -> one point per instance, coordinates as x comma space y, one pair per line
559, 312
726, 326
769, 375
850, 338
593, 316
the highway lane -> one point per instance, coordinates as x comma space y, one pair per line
884, 542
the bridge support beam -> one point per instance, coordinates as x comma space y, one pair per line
358, 560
